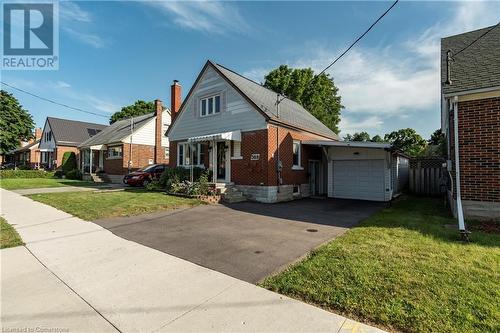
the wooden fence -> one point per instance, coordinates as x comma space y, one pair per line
425, 176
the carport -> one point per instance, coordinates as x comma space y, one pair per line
363, 170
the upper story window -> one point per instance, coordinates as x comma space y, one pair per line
210, 106
115, 152
296, 154
48, 136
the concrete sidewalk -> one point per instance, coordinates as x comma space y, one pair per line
101, 280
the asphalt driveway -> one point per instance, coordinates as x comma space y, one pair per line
246, 240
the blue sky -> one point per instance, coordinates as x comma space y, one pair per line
114, 53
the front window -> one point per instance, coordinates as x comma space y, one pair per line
167, 153
210, 106
296, 154
190, 154
115, 152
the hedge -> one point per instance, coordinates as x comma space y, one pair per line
25, 174
68, 161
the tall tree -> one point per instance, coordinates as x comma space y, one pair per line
437, 144
16, 123
377, 138
317, 94
139, 108
408, 140
361, 136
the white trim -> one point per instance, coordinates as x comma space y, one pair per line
472, 91
297, 166
214, 112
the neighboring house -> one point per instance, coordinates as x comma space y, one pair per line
232, 126
63, 135
470, 116
128, 145
28, 154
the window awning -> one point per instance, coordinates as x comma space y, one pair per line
47, 149
234, 135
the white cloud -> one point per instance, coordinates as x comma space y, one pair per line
87, 38
379, 85
60, 85
70, 11
205, 16
101, 105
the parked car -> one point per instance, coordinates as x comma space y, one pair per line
144, 176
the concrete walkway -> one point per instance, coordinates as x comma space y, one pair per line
76, 275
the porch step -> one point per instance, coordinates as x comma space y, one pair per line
100, 178
232, 195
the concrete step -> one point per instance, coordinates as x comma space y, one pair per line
100, 178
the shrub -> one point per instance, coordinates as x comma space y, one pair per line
69, 161
74, 174
179, 174
25, 174
25, 167
154, 185
58, 174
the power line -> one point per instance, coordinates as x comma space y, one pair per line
54, 102
475, 40
359, 38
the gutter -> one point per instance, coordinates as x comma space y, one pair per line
460, 213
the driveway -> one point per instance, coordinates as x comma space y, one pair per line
247, 240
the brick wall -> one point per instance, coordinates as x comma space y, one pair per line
245, 171
479, 140
140, 157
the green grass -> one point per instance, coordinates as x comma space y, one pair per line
404, 269
95, 205
24, 183
8, 235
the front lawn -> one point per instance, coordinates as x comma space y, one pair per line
404, 269
95, 205
8, 235
23, 183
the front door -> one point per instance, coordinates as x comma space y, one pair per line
221, 161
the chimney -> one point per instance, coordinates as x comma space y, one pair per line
38, 133
175, 99
158, 132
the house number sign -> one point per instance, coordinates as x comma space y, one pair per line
255, 157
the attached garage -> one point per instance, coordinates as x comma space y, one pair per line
363, 170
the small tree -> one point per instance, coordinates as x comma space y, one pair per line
377, 138
69, 161
16, 123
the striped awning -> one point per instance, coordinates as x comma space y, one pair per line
234, 136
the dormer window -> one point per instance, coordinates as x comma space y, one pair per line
210, 106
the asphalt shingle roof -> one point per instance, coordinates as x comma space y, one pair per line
71, 132
290, 112
477, 67
117, 131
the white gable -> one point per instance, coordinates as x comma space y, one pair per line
44, 143
236, 113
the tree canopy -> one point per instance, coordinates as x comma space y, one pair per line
408, 140
139, 108
16, 123
363, 137
317, 94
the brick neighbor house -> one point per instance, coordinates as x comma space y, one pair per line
470, 118
28, 154
233, 127
63, 135
127, 145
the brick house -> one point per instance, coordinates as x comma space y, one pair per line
28, 154
233, 127
127, 145
63, 135
470, 118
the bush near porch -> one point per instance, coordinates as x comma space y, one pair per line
404, 269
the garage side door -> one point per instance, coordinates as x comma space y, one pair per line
359, 179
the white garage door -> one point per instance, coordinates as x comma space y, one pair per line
359, 179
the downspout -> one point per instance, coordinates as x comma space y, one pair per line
460, 214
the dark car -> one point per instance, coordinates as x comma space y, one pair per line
144, 176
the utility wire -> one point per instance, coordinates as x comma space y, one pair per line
54, 102
475, 40
359, 38
347, 50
